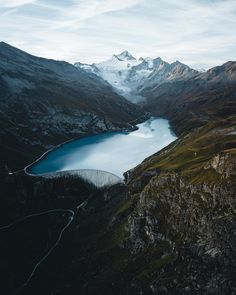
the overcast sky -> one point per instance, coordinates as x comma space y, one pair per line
200, 33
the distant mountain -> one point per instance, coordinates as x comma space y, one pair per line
45, 102
196, 100
129, 76
125, 56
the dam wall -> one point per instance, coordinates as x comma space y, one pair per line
98, 178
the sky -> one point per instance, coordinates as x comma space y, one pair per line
200, 33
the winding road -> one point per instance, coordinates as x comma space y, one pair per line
70, 220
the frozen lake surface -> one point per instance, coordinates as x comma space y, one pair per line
114, 152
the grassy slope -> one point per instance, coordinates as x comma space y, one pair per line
190, 154
178, 208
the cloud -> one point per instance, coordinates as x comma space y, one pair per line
79, 11
15, 3
200, 33
86, 9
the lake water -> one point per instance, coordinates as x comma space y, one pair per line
114, 152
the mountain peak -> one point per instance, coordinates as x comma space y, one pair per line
125, 55
179, 64
145, 59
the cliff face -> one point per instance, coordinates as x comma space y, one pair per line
185, 213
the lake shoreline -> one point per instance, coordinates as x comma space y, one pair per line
66, 142
117, 143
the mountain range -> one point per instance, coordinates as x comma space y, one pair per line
193, 102
129, 76
170, 228
170, 90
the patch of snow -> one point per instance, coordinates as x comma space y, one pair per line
127, 74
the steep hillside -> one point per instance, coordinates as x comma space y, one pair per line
179, 219
172, 229
194, 102
45, 102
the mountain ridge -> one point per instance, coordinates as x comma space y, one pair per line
191, 100
128, 75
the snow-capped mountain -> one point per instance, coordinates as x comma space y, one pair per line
129, 76
115, 71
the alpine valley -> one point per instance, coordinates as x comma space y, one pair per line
129, 76
168, 227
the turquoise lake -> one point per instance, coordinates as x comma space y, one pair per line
114, 152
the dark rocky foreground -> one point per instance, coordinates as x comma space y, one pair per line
170, 230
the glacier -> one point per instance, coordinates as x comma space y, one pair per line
128, 75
